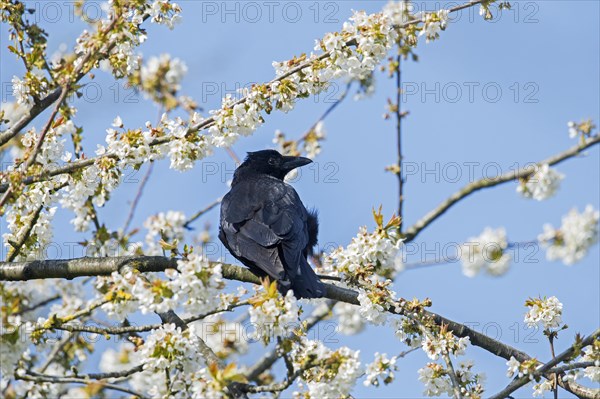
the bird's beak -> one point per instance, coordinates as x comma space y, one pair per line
291, 163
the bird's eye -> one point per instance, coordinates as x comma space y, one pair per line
272, 161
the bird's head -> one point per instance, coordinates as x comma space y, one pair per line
272, 163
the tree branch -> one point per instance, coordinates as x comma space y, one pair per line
72, 268
269, 359
137, 198
30, 115
210, 121
201, 212
470, 188
47, 101
37, 377
453, 378
543, 370
399, 134
38, 145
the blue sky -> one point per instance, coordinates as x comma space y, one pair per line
530, 72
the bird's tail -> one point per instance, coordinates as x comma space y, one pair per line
306, 283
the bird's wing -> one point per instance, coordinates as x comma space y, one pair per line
262, 221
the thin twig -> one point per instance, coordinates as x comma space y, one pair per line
544, 369
58, 348
38, 305
138, 195
331, 108
399, 135
572, 366
555, 379
233, 155
452, 374
47, 101
35, 377
103, 376
470, 188
270, 358
129, 329
201, 212
38, 145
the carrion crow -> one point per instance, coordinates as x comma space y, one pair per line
265, 225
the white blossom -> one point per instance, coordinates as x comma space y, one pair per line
13, 343
436, 345
407, 331
344, 365
312, 142
371, 311
513, 367
573, 131
224, 337
13, 111
95, 182
582, 129
544, 386
542, 184
433, 23
197, 283
592, 354
165, 12
21, 91
120, 287
117, 122
33, 206
168, 226
486, 252
350, 321
275, 316
123, 359
166, 70
378, 250
435, 379
577, 234
547, 312
168, 347
381, 368
399, 12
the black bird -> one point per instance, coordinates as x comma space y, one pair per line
265, 225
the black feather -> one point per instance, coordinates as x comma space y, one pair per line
265, 225
313, 230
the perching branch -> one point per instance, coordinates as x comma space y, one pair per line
470, 188
72, 268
